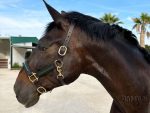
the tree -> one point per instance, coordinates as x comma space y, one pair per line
141, 26
111, 19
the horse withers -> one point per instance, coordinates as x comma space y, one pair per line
75, 43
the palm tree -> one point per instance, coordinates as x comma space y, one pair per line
111, 19
141, 26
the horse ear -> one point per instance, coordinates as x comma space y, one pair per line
53, 12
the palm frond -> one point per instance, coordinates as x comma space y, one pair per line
145, 17
143, 27
119, 23
148, 34
110, 18
134, 27
136, 20
137, 27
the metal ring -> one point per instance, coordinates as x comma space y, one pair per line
58, 63
62, 50
41, 88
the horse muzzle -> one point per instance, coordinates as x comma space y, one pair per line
26, 95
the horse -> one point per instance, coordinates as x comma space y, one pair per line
75, 43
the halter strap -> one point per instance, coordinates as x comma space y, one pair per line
63, 49
38, 73
69, 35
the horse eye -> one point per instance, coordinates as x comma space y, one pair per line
41, 48
44, 48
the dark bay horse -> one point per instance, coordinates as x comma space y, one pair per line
75, 43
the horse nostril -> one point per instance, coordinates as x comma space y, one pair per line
16, 96
16, 90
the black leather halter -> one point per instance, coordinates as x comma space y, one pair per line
58, 64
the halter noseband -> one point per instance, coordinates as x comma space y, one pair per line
58, 64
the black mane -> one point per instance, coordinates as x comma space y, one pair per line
97, 30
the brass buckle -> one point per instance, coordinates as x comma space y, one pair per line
33, 77
62, 50
41, 90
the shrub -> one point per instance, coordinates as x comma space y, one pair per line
16, 65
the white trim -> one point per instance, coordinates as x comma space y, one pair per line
27, 47
1, 37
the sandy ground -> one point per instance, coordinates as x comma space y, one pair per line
85, 95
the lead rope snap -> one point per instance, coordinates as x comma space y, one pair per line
59, 65
59, 70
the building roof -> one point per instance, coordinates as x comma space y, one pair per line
15, 40
1, 37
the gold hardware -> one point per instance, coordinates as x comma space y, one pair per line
58, 63
59, 70
33, 77
60, 76
62, 50
41, 90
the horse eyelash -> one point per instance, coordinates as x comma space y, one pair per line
42, 48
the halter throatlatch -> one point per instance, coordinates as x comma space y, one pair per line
58, 64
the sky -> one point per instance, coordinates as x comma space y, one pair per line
30, 17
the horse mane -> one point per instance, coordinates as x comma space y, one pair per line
99, 31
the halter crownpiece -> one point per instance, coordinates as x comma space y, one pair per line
58, 64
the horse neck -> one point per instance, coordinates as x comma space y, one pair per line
115, 65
